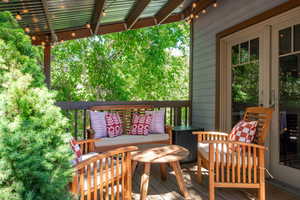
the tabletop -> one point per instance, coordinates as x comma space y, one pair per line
159, 153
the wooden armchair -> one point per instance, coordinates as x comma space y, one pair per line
103, 176
235, 164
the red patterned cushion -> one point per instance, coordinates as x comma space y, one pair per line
76, 149
141, 124
243, 131
113, 124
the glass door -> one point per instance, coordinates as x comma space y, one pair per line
285, 147
246, 75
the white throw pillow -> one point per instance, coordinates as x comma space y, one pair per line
158, 121
98, 124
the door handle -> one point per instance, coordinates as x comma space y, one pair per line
273, 99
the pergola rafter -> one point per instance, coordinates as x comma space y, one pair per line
97, 14
134, 14
48, 18
167, 10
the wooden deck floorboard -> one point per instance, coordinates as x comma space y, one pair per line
168, 190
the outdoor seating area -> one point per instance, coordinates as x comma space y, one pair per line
234, 133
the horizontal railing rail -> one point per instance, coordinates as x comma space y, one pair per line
178, 113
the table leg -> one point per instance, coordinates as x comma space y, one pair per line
133, 166
180, 181
145, 182
163, 171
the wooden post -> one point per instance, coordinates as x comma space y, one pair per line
47, 64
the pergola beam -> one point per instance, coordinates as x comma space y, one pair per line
105, 29
97, 14
167, 10
46, 11
137, 10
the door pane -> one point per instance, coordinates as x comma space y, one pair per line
244, 54
285, 41
254, 49
297, 37
289, 107
235, 55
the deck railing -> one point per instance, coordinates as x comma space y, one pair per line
178, 113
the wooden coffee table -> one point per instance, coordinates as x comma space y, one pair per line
162, 154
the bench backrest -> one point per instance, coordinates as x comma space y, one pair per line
264, 117
125, 111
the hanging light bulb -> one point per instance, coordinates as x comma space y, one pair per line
25, 11
192, 16
215, 4
62, 41
73, 34
204, 11
18, 17
88, 26
35, 20
33, 38
197, 16
43, 43
27, 30
104, 13
194, 5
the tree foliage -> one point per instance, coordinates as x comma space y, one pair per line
143, 64
34, 155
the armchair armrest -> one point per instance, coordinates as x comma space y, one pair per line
211, 136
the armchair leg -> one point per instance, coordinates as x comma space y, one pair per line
262, 192
199, 169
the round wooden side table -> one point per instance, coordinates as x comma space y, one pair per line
161, 154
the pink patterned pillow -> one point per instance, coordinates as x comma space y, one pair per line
76, 149
113, 124
141, 124
243, 131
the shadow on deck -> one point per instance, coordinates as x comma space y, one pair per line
168, 190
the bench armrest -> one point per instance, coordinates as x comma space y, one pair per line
168, 130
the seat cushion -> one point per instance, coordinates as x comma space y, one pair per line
203, 149
131, 139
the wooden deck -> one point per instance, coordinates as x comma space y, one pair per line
168, 190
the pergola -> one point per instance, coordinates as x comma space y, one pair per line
51, 21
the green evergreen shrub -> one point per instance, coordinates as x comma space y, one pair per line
34, 151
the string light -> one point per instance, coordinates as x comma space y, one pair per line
27, 30
62, 41
88, 26
204, 11
197, 16
43, 43
215, 4
192, 16
18, 17
194, 5
33, 38
62, 6
25, 11
104, 13
73, 34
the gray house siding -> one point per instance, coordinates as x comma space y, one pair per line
205, 28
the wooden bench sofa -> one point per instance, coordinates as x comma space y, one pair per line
126, 113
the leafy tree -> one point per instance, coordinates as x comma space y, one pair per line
143, 64
34, 154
